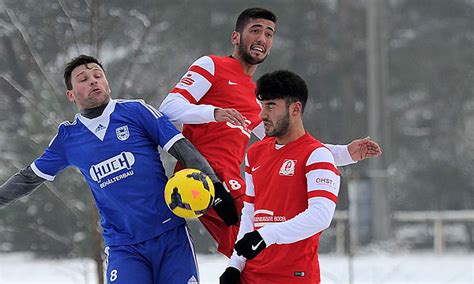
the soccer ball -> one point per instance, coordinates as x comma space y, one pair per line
189, 193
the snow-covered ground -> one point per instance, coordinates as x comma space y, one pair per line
420, 268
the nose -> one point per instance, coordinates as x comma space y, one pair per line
263, 114
93, 82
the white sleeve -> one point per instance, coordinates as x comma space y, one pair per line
246, 221
181, 103
323, 187
341, 154
180, 110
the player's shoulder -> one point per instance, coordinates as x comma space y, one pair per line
319, 153
134, 106
68, 125
207, 62
262, 144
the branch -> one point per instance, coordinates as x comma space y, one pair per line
28, 96
70, 22
36, 58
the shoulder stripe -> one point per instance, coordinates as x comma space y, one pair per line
153, 111
207, 63
203, 72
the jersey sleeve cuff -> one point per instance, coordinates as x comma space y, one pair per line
171, 142
40, 173
341, 154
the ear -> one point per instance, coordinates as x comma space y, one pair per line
296, 108
235, 38
70, 95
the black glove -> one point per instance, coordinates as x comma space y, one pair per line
250, 245
230, 276
224, 205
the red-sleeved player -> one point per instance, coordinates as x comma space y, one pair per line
215, 100
291, 196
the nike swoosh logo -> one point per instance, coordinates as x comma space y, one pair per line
255, 168
231, 83
254, 247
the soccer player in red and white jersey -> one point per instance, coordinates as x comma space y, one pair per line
215, 100
291, 196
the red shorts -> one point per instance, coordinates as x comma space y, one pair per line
224, 235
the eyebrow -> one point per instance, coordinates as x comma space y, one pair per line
261, 26
92, 69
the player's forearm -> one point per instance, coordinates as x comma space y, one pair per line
20, 184
189, 157
341, 154
179, 110
313, 220
246, 225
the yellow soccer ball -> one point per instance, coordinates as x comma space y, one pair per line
189, 193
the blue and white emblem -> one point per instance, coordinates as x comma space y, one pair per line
122, 133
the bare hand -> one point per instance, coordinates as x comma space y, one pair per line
361, 149
230, 115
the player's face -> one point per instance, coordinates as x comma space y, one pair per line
276, 118
255, 41
89, 87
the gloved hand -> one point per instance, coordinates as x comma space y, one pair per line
224, 205
250, 245
230, 276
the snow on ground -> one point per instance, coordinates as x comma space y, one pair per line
420, 268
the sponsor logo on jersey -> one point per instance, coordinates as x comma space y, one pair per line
122, 133
187, 80
122, 161
99, 128
326, 182
288, 168
264, 217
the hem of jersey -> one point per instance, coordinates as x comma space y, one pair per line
126, 242
173, 140
40, 173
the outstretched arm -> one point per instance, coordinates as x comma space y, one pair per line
357, 150
20, 184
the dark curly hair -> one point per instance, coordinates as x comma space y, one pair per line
282, 84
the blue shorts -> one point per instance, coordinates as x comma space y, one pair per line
168, 258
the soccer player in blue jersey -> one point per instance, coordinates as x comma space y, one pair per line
114, 145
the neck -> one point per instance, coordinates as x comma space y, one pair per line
94, 112
249, 69
293, 133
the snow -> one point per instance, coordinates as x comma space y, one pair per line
420, 268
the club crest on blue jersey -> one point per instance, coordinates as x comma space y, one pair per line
122, 133
124, 160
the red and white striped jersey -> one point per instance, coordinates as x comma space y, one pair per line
291, 197
211, 82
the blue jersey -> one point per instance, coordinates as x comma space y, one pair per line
117, 154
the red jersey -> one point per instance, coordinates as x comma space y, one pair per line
293, 191
221, 82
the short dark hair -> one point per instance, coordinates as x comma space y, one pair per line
78, 61
253, 13
282, 84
